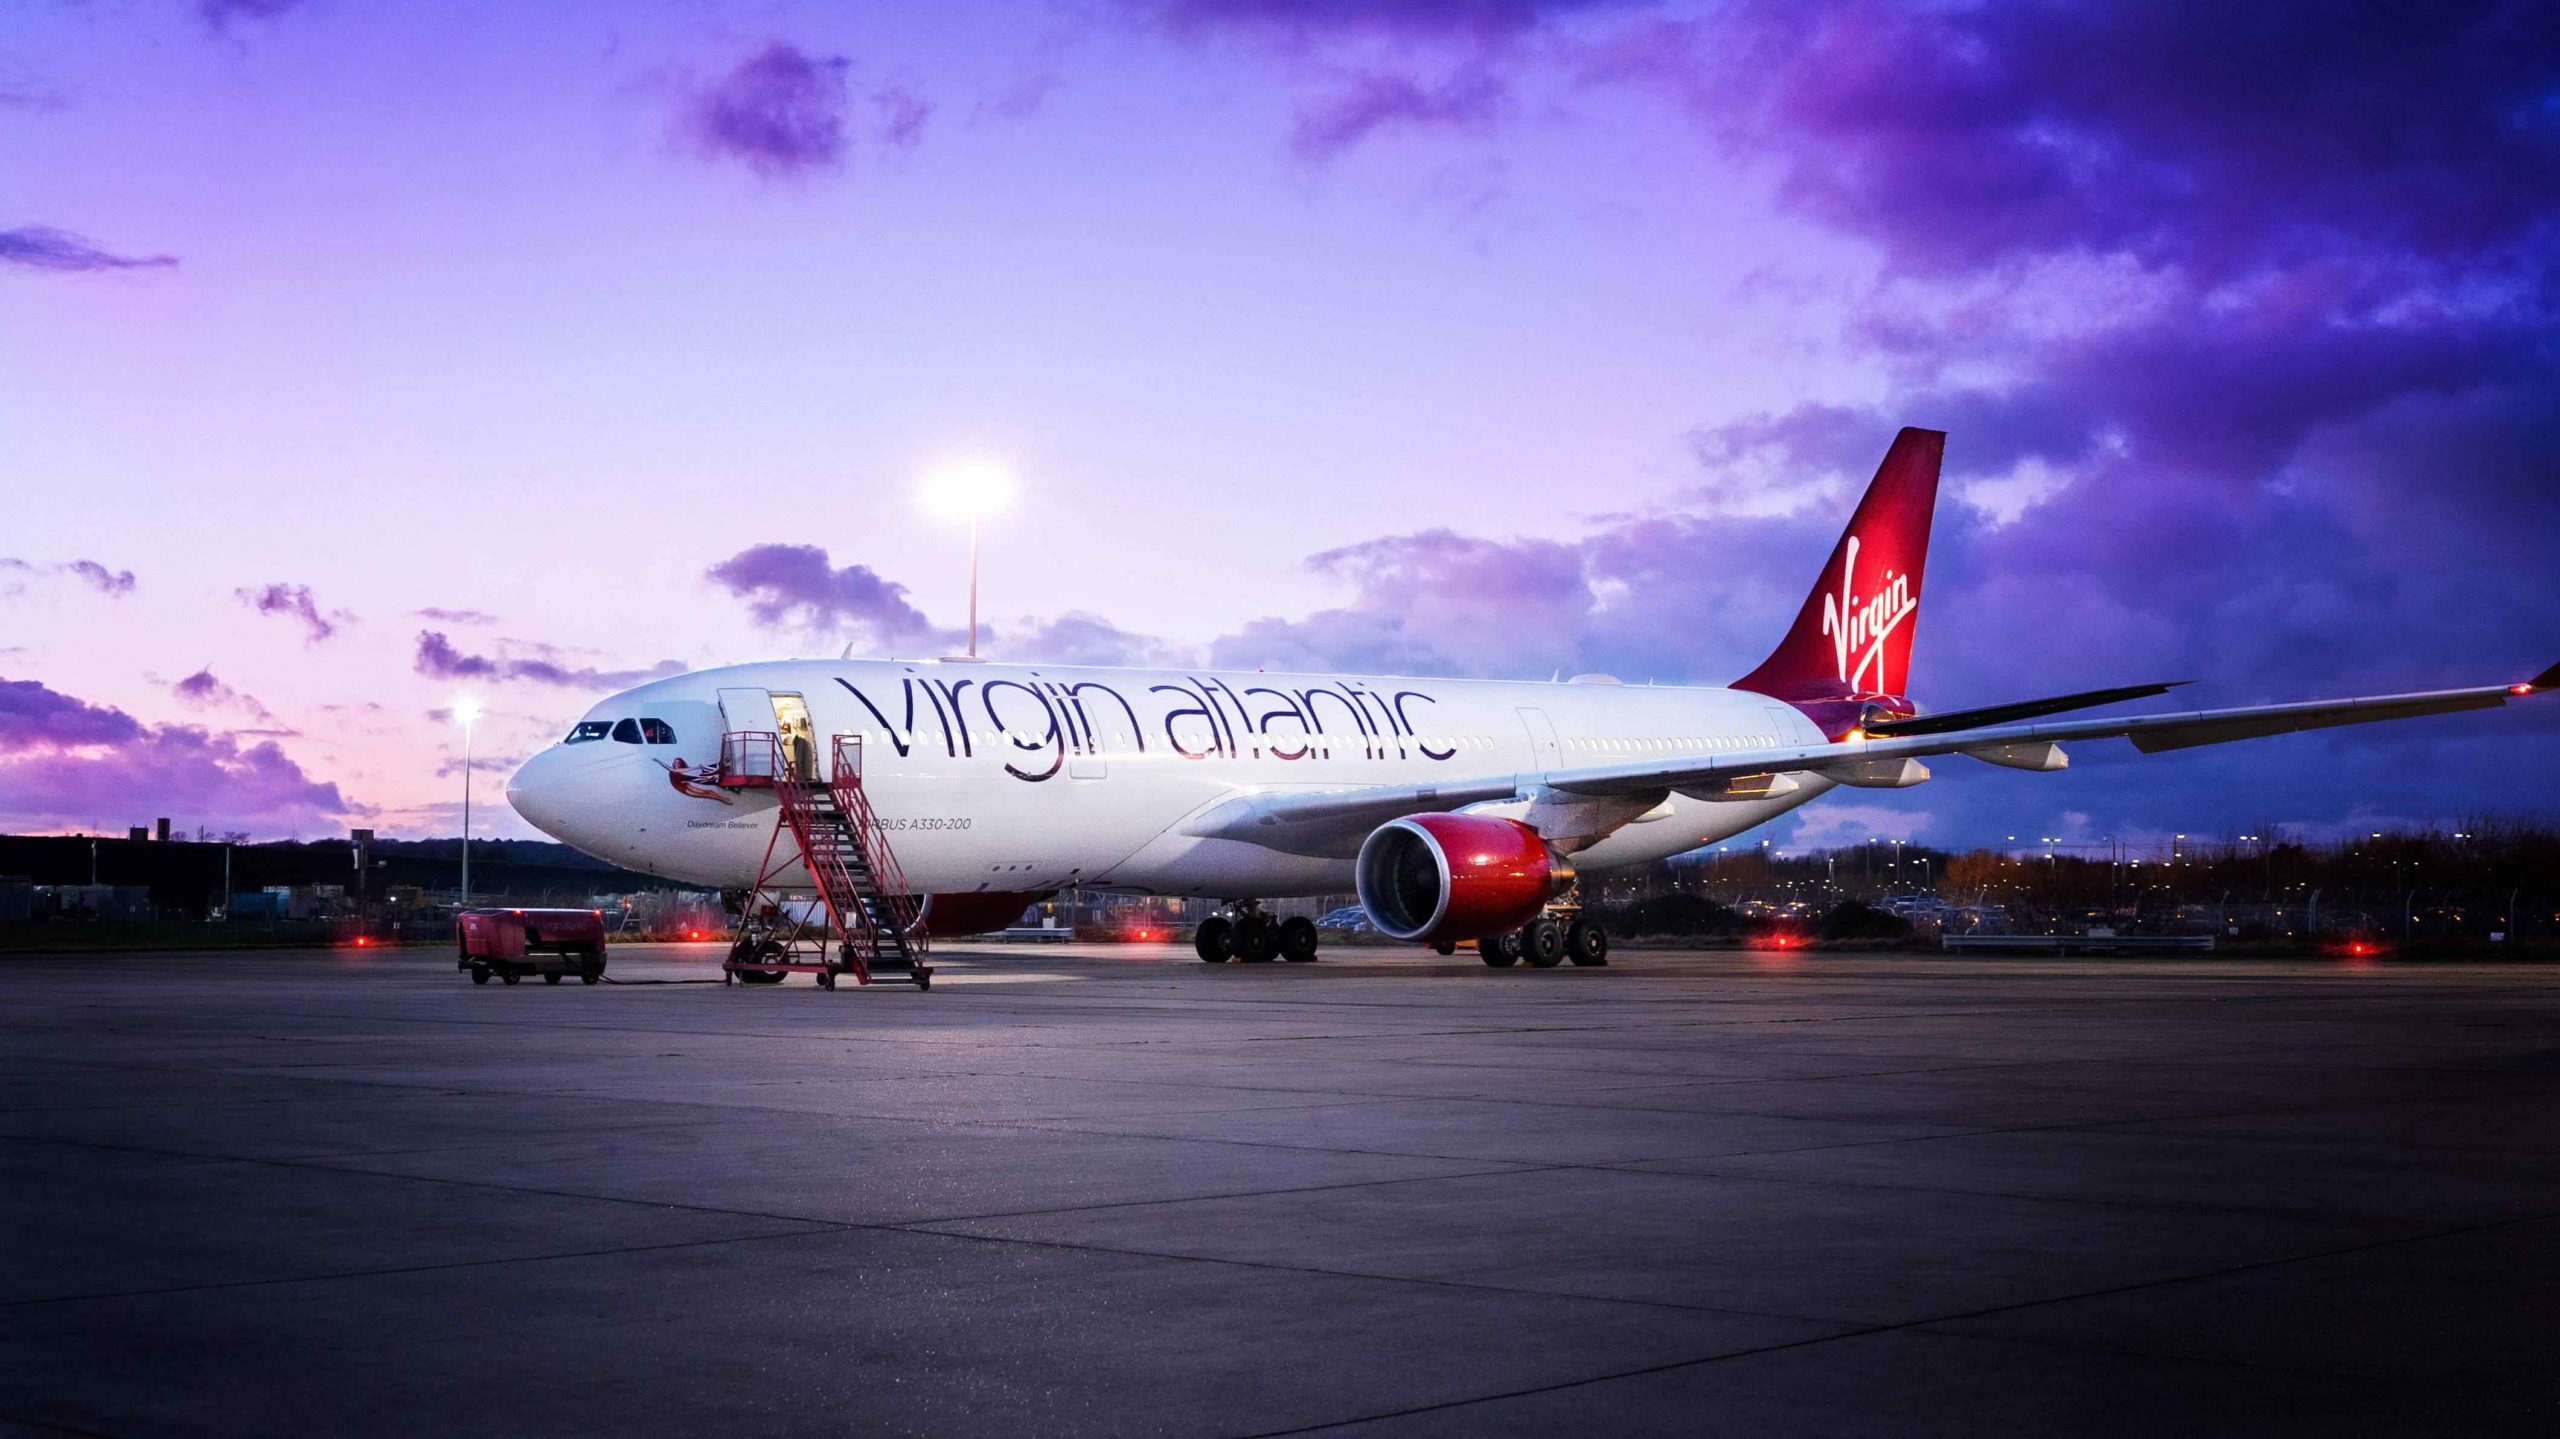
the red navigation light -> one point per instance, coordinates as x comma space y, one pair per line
2523, 689
361, 941
693, 934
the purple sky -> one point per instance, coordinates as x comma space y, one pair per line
356, 357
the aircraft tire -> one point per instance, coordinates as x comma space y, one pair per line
1542, 943
1257, 940
510, 976
1214, 940
1298, 939
1586, 944
1500, 951
551, 976
479, 974
768, 951
1444, 946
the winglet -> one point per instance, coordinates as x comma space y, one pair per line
2547, 680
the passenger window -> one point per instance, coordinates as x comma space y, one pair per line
626, 731
586, 730
657, 731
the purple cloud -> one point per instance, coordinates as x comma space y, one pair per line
1403, 17
220, 13
1384, 65
105, 581
1079, 638
902, 117
1021, 99
294, 602
42, 247
25, 97
437, 658
115, 584
1958, 136
1368, 103
33, 716
781, 113
1432, 603
66, 762
794, 586
455, 617
203, 689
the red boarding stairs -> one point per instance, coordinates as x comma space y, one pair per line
863, 918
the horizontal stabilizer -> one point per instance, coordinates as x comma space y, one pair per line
1950, 721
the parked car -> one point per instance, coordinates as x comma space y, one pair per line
1350, 917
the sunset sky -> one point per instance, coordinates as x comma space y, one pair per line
356, 357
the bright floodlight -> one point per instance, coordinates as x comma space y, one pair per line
967, 489
466, 712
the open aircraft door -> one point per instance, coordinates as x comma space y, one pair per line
745, 710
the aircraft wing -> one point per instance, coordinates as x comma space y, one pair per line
1322, 821
1332, 822
2149, 733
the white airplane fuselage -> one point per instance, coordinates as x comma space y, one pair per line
998, 778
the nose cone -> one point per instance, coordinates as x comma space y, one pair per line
557, 793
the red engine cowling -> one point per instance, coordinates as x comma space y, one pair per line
1435, 877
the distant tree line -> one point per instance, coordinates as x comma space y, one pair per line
2471, 881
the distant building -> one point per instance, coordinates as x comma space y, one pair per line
120, 903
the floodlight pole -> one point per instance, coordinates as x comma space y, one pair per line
466, 813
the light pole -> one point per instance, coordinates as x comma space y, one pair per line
467, 711
969, 490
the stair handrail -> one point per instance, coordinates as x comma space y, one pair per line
836, 889
897, 896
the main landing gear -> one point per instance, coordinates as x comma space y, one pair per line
1242, 931
1549, 940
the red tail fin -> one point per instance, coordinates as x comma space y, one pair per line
1853, 635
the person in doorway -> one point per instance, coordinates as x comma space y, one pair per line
804, 754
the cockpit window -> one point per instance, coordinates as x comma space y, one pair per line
657, 731
627, 731
586, 730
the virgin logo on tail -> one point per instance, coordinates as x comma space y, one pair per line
1858, 628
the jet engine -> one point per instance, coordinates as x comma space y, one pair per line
1446, 877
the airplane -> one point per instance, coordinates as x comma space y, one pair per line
1457, 810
